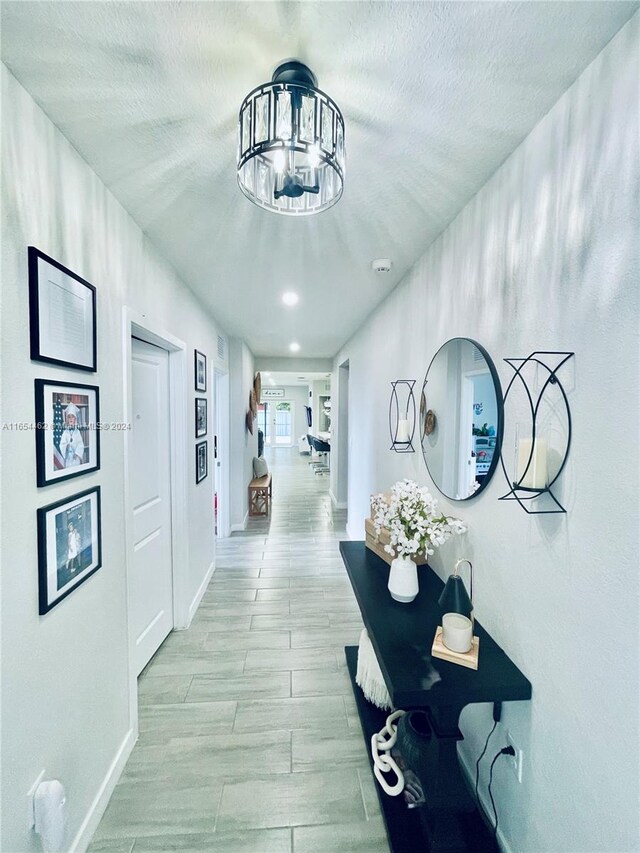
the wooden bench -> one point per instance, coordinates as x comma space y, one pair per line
260, 495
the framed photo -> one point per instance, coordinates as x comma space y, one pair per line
202, 462
62, 314
201, 416
69, 546
200, 370
67, 435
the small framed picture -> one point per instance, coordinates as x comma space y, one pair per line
69, 546
201, 416
67, 435
62, 314
200, 370
202, 462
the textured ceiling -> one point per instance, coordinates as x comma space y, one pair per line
434, 95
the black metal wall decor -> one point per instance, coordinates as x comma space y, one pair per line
402, 416
531, 479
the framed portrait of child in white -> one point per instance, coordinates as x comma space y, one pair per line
62, 314
67, 430
69, 546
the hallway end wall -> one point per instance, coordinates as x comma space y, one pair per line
545, 257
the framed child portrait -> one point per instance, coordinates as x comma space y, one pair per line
201, 416
69, 546
200, 370
67, 434
202, 461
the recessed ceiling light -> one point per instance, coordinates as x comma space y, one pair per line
294, 347
267, 373
290, 298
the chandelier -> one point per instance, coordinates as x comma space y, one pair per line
291, 154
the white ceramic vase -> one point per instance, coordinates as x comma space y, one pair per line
403, 580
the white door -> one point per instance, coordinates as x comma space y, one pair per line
151, 581
282, 423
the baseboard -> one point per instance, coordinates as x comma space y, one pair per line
469, 773
101, 800
201, 591
355, 535
238, 528
337, 504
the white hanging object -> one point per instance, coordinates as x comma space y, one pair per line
369, 675
49, 805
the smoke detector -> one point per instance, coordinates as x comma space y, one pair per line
381, 265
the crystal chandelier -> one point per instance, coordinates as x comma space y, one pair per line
291, 153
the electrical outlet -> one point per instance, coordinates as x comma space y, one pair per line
31, 813
516, 760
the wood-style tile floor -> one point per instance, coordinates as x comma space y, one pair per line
249, 737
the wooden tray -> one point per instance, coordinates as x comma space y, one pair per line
468, 659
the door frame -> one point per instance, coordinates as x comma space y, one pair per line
140, 326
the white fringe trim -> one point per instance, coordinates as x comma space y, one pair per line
369, 676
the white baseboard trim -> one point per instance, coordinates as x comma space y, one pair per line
355, 534
101, 800
201, 591
238, 528
470, 773
337, 504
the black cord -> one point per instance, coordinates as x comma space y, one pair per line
486, 744
507, 750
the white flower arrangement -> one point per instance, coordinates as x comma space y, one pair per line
414, 524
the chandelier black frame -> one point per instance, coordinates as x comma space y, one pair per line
291, 147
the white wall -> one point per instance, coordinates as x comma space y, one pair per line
65, 690
244, 446
545, 257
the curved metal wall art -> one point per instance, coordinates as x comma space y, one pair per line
530, 479
402, 416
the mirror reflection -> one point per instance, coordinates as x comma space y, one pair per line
461, 419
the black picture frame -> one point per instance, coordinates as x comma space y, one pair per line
56, 462
62, 572
53, 289
202, 461
200, 370
201, 416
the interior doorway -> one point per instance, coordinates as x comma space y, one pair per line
151, 567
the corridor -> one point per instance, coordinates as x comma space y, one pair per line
249, 736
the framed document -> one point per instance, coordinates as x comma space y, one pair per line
62, 311
69, 546
67, 435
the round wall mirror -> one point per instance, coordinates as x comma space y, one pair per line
461, 419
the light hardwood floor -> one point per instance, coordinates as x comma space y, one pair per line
249, 736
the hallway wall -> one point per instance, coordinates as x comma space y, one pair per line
244, 446
545, 257
65, 690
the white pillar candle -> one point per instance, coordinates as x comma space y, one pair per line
536, 473
402, 433
457, 632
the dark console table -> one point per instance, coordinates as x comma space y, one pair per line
402, 635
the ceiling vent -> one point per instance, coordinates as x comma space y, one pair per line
220, 347
477, 355
381, 265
